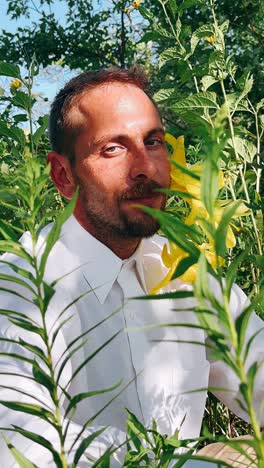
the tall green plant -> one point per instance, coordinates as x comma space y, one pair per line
215, 85
24, 195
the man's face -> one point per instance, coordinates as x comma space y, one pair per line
120, 159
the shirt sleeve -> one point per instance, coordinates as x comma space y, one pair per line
222, 376
17, 385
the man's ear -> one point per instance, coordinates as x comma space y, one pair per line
61, 174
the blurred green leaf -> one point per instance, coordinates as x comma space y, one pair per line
85, 444
8, 69
221, 231
22, 461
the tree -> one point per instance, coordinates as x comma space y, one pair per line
93, 35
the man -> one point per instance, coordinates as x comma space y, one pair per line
107, 139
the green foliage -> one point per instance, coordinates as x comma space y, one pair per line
207, 90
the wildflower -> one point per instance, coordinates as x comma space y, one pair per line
210, 39
185, 183
174, 255
15, 84
135, 3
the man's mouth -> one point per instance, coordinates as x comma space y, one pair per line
141, 191
152, 200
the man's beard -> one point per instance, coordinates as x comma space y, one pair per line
122, 224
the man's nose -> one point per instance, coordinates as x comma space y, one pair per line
142, 165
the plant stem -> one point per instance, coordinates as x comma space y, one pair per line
55, 396
179, 43
244, 185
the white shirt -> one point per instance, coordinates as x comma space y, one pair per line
156, 370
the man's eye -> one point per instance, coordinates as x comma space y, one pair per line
113, 150
153, 142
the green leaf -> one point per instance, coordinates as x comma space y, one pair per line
249, 343
184, 170
15, 248
92, 356
146, 13
209, 186
41, 441
81, 396
201, 285
164, 94
49, 292
6, 231
245, 83
91, 419
13, 313
171, 53
232, 270
42, 378
251, 375
41, 130
178, 193
183, 266
217, 65
85, 444
20, 118
246, 149
22, 461
22, 100
170, 295
14, 133
200, 33
20, 271
149, 36
59, 327
260, 105
221, 231
7, 69
196, 120
34, 349
188, 4
241, 324
224, 26
17, 280
176, 231
69, 357
34, 410
207, 81
137, 427
197, 101
27, 325
172, 4
161, 31
54, 234
259, 260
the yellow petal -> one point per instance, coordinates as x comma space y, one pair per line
190, 275
230, 238
166, 256
242, 210
178, 148
221, 180
164, 282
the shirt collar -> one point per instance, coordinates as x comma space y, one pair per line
100, 266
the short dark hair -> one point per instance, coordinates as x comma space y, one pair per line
61, 131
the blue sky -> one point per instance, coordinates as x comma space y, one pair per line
58, 7
51, 79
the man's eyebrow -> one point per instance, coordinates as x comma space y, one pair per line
122, 136
154, 131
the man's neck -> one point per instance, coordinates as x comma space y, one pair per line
122, 247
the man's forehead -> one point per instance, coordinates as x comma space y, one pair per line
104, 98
